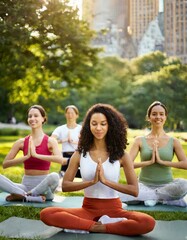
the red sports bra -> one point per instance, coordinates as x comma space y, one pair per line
35, 163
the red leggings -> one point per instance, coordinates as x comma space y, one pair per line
83, 218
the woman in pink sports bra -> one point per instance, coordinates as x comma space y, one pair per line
101, 155
39, 150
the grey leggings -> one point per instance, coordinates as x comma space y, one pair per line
174, 190
37, 185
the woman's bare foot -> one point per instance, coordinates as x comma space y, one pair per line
14, 197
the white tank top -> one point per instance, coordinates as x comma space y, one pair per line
99, 190
62, 133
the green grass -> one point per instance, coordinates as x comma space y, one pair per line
16, 173
19, 211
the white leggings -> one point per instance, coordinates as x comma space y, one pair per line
37, 185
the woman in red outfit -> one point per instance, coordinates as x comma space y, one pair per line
39, 150
100, 156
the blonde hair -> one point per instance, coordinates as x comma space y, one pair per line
73, 107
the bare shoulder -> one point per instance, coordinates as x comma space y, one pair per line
19, 143
125, 159
138, 140
75, 158
176, 142
76, 155
52, 140
21, 140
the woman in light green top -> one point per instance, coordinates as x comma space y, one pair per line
157, 149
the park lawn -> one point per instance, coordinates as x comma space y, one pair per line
16, 173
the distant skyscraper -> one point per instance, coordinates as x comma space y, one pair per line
126, 28
175, 28
142, 12
110, 19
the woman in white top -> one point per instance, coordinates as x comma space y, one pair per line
100, 156
68, 134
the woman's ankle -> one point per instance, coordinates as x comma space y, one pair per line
39, 198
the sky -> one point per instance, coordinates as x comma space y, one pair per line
78, 3
161, 7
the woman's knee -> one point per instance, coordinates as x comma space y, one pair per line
145, 222
54, 177
44, 216
149, 224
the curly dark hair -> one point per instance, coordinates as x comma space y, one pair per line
116, 138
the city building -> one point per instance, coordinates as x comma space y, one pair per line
129, 28
121, 24
141, 13
175, 28
152, 40
110, 20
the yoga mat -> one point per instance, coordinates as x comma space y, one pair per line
164, 230
15, 227
68, 202
35, 229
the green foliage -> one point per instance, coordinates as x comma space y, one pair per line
166, 83
131, 86
148, 63
44, 51
111, 85
65, 70
13, 132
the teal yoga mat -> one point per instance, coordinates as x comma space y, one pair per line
67, 202
35, 229
164, 230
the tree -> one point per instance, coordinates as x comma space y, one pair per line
148, 63
110, 85
167, 85
130, 88
44, 50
